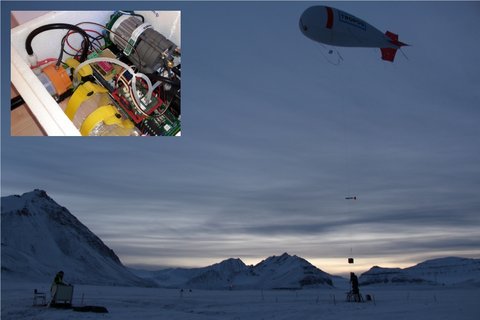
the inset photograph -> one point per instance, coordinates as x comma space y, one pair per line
96, 73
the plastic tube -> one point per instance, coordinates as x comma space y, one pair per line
43, 62
156, 85
148, 96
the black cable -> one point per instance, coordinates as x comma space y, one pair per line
154, 76
16, 102
69, 53
53, 26
99, 44
91, 48
62, 50
176, 70
116, 35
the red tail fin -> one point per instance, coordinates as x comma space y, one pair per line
394, 39
388, 54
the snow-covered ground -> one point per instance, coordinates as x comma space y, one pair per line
127, 303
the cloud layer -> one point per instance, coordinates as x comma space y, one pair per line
274, 138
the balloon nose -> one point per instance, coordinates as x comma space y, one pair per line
303, 27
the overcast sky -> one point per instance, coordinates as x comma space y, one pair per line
275, 137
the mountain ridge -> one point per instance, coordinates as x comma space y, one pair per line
275, 272
440, 271
40, 237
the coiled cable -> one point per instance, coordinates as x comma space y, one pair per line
54, 26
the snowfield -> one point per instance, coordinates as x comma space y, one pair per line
127, 303
38, 236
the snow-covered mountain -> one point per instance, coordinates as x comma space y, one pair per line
219, 275
450, 270
276, 272
40, 237
287, 271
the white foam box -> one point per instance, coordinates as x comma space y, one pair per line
47, 45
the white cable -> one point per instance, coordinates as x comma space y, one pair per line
148, 96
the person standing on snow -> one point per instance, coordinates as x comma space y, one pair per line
355, 290
58, 278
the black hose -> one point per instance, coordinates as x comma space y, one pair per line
53, 26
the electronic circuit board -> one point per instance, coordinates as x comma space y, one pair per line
158, 117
